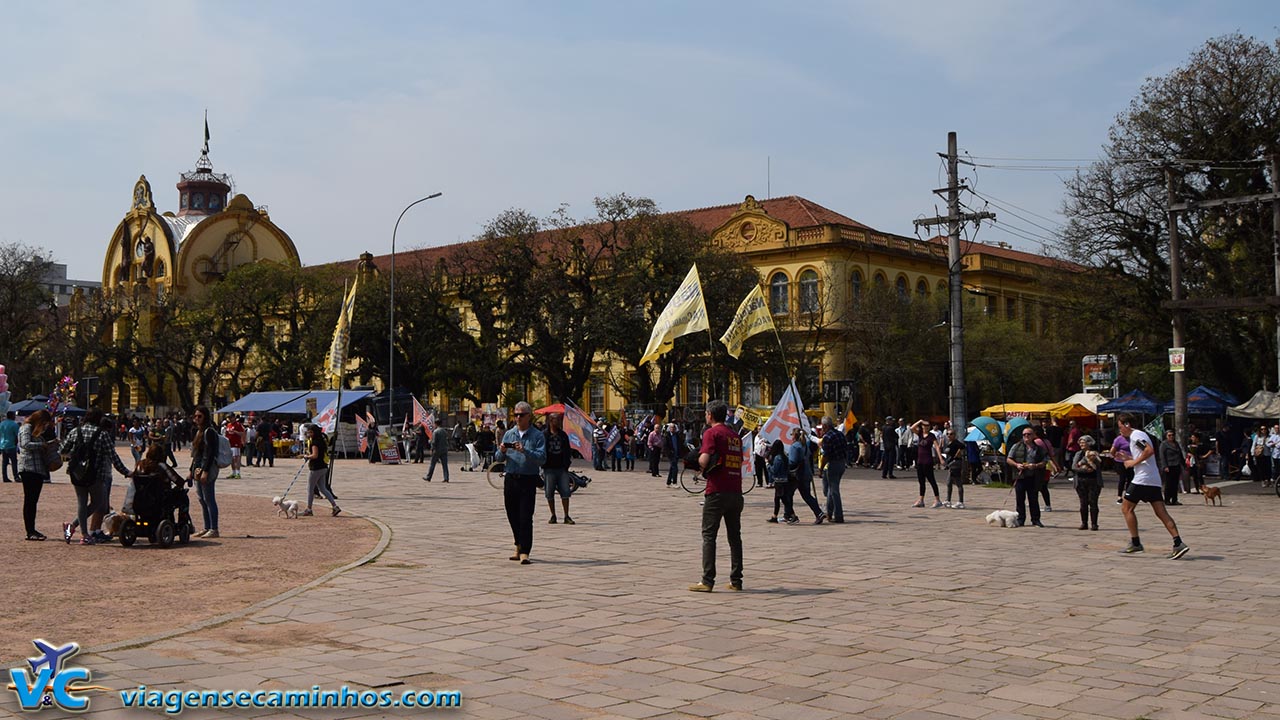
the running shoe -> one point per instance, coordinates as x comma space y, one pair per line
1179, 550
67, 531
1131, 549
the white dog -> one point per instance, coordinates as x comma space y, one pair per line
287, 508
1003, 518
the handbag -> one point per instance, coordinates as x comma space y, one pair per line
52, 459
1257, 450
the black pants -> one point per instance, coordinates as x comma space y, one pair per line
924, 473
1172, 480
806, 493
1088, 491
782, 494
888, 460
654, 457
904, 456
718, 506
1042, 485
955, 477
519, 493
1126, 475
762, 472
32, 485
1024, 489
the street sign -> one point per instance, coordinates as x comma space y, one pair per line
1100, 373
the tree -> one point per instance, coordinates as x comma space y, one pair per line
1209, 121
28, 319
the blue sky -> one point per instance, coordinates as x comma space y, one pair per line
337, 115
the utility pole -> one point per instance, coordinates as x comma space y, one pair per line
1175, 282
1179, 305
954, 220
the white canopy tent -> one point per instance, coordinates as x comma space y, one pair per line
1264, 405
1089, 401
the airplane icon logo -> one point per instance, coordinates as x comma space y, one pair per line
50, 682
53, 657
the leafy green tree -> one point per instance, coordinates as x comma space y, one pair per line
28, 319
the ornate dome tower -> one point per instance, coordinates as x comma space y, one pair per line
202, 191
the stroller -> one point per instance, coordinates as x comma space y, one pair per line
160, 510
473, 459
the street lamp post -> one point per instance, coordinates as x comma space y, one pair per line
391, 337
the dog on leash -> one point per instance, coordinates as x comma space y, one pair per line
1003, 518
1212, 495
287, 508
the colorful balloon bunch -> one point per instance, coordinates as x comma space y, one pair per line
63, 394
4, 391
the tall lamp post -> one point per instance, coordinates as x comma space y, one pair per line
391, 336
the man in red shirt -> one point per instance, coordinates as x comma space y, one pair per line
235, 438
721, 460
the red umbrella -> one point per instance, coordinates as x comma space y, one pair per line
557, 408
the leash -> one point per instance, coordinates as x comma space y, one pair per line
294, 480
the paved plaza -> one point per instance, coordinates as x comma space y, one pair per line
900, 613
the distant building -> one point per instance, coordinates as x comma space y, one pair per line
62, 289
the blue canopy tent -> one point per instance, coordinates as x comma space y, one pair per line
289, 402
1134, 401
40, 402
1206, 401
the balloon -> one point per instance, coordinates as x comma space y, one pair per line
1, 368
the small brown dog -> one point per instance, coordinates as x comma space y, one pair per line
1212, 495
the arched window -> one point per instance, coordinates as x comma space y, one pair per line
808, 291
855, 283
779, 289
880, 280
197, 201
942, 287
901, 286
922, 288
184, 201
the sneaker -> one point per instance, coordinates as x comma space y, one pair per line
569, 521
936, 504
1179, 550
958, 506
1084, 526
946, 504
201, 534
918, 504
211, 534
336, 510
700, 587
793, 521
1119, 500
101, 536
67, 531
1037, 523
773, 519
88, 540
819, 520
552, 521
736, 587
306, 512
1131, 549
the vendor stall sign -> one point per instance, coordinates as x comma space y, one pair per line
1099, 372
1177, 359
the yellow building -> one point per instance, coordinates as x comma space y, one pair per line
154, 257
813, 263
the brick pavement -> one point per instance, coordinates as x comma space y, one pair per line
901, 613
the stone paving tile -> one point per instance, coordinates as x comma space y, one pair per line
601, 626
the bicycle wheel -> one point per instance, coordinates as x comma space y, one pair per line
692, 481
747, 484
494, 475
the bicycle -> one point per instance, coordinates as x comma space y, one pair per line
493, 475
692, 482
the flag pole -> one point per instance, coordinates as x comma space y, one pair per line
782, 351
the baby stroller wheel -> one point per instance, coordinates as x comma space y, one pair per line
128, 534
164, 533
184, 532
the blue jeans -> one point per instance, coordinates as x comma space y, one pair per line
556, 480
9, 459
673, 472
831, 488
208, 500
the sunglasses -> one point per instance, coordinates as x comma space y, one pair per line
521, 414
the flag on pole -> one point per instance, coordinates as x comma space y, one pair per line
685, 313
579, 429
752, 317
362, 434
787, 415
328, 417
337, 364
420, 417
206, 132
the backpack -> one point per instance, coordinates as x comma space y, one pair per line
83, 466
223, 456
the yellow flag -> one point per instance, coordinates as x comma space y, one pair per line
342, 337
685, 313
753, 317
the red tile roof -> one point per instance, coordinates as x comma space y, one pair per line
796, 212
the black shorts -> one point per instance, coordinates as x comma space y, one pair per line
1144, 493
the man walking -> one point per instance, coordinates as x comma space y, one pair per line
9, 446
439, 453
904, 444
835, 449
1145, 487
524, 449
654, 448
555, 471
675, 449
720, 458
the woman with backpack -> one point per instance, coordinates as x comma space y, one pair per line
37, 446
204, 470
779, 472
